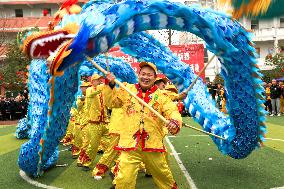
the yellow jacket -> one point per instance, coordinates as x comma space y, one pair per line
138, 123
82, 113
73, 113
97, 102
115, 120
172, 95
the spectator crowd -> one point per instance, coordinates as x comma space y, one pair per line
14, 108
274, 96
218, 94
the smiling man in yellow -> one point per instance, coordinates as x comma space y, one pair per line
141, 137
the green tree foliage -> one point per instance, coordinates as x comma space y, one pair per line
14, 69
277, 62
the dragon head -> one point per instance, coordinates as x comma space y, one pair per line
53, 44
44, 44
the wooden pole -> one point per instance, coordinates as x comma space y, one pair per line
144, 103
199, 74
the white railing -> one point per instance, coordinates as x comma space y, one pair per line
268, 34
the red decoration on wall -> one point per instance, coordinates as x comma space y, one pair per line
45, 12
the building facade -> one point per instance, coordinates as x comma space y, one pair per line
17, 15
268, 36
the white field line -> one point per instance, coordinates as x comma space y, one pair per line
35, 183
181, 166
64, 150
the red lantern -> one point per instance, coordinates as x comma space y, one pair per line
45, 12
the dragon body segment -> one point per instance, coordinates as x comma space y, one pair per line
81, 35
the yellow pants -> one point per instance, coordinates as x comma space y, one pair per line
68, 138
95, 133
282, 105
77, 143
145, 170
85, 143
108, 157
104, 143
223, 108
154, 161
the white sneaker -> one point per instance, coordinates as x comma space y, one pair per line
271, 115
98, 177
279, 114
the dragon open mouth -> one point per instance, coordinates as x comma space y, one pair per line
44, 45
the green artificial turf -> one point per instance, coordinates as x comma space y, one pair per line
208, 168
70, 176
263, 168
9, 177
5, 129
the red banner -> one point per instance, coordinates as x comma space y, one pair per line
192, 54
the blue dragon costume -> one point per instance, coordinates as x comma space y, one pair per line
100, 25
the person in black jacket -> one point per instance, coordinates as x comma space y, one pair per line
2, 108
275, 93
212, 90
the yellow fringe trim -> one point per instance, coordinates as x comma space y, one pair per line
253, 8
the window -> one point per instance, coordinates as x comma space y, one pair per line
254, 24
19, 12
281, 22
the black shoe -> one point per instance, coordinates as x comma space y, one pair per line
79, 165
74, 156
100, 152
86, 168
147, 175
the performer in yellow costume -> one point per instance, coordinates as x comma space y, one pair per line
161, 82
172, 92
169, 89
97, 97
177, 98
110, 154
223, 101
69, 136
80, 121
141, 137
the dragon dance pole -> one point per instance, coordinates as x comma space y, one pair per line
144, 103
199, 74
